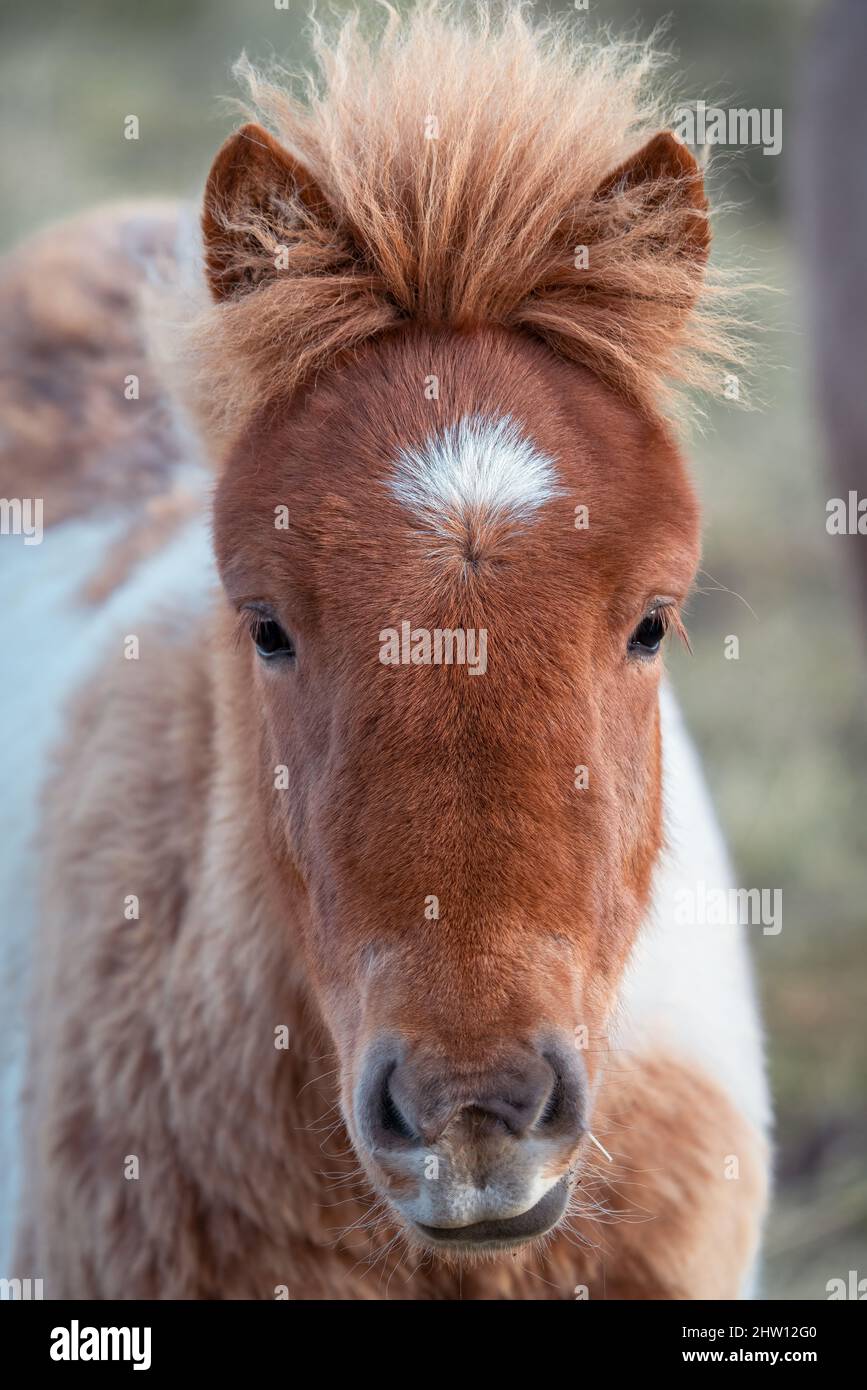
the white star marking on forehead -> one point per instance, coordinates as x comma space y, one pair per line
479, 467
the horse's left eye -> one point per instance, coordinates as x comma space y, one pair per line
271, 640
647, 636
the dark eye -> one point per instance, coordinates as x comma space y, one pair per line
270, 639
647, 636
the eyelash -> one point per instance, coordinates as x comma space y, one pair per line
673, 622
246, 622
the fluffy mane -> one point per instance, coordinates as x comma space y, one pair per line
461, 157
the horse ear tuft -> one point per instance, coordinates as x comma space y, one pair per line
257, 198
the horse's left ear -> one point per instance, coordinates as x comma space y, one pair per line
252, 191
665, 179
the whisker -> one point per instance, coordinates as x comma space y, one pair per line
592, 1137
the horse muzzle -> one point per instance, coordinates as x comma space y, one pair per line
473, 1159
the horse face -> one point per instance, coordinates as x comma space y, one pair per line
451, 563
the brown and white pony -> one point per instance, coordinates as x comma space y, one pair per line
358, 970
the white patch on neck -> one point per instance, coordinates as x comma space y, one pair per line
475, 469
688, 989
51, 641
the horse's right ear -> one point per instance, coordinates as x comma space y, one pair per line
255, 191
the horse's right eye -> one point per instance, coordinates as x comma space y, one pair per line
270, 639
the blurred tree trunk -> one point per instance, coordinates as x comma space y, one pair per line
830, 197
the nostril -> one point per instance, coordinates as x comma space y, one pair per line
563, 1115
554, 1109
383, 1120
391, 1121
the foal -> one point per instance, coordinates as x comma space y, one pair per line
358, 970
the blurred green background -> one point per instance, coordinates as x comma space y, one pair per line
781, 729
